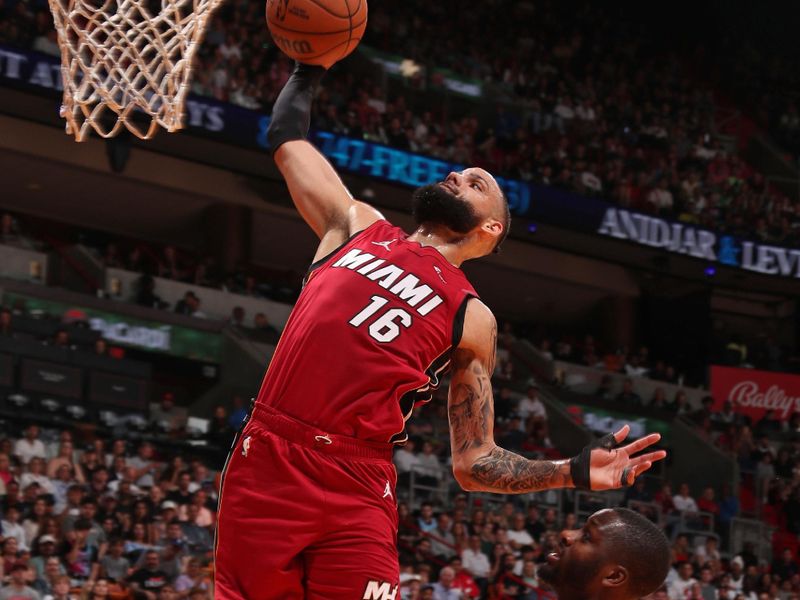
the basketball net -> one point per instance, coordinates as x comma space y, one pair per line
127, 63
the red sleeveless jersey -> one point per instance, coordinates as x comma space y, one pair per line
369, 337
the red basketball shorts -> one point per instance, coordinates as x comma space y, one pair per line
306, 515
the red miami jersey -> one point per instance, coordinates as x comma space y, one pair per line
370, 336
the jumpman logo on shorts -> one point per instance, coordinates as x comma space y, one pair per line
385, 245
245, 446
387, 491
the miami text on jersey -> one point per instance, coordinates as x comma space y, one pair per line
389, 276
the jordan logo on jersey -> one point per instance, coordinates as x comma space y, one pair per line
439, 273
387, 490
385, 245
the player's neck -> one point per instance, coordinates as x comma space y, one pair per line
453, 246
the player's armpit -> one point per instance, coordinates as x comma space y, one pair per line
319, 194
478, 463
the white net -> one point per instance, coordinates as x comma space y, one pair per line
127, 63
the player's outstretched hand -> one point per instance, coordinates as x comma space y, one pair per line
618, 467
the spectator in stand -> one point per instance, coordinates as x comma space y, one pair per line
17, 588
150, 578
237, 317
146, 295
430, 467
680, 405
442, 540
166, 416
30, 445
707, 503
238, 414
518, 535
219, 429
61, 340
683, 501
476, 562
113, 565
81, 559
189, 305
785, 566
11, 527
170, 267
627, 395
193, 579
514, 436
426, 521
679, 588
405, 461
264, 329
707, 552
530, 407
463, 581
65, 458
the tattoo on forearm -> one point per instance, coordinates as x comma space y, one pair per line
504, 471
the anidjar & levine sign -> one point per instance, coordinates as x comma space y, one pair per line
700, 243
753, 393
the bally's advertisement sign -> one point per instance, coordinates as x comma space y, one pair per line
754, 393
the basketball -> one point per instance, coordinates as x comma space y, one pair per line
317, 32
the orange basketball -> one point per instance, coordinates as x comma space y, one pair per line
317, 32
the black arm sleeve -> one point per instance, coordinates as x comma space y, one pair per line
291, 115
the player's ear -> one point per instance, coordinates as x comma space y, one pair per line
616, 576
493, 227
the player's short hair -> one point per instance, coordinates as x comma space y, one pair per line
506, 221
642, 548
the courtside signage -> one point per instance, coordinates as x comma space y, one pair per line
753, 392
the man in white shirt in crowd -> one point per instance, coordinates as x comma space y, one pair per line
429, 467
677, 590
11, 527
531, 406
517, 534
475, 561
29, 446
683, 501
405, 461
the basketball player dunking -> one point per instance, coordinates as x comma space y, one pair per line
307, 507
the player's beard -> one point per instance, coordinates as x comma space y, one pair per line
434, 205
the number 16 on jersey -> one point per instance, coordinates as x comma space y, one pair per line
386, 327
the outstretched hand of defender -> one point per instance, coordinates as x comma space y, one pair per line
612, 468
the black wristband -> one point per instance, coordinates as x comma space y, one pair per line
579, 466
291, 115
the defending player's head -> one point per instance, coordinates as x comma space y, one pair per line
617, 555
470, 205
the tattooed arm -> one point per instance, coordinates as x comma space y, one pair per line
479, 465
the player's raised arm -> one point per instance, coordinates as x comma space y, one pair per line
317, 191
481, 465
